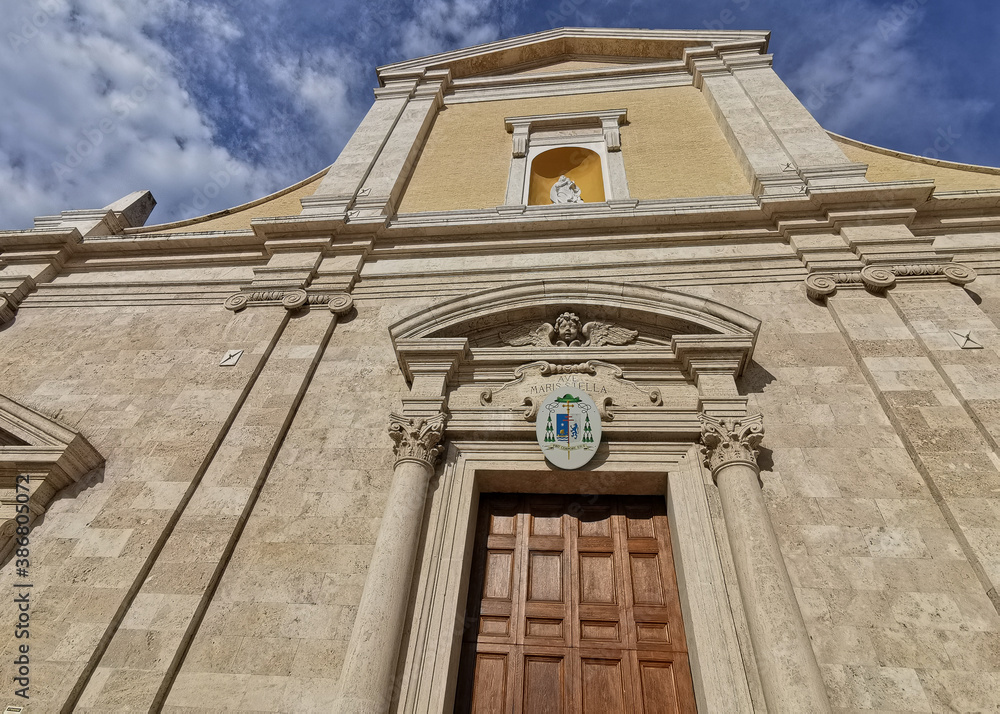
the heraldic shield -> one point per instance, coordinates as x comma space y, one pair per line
568, 427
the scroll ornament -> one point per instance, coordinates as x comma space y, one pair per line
879, 278
727, 440
338, 303
569, 331
417, 438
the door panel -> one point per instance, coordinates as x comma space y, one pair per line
573, 607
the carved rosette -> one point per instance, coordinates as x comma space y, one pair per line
417, 439
726, 441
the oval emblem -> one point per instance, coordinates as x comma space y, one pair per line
568, 428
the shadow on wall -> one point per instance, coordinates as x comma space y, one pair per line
754, 379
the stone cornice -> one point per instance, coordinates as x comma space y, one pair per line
879, 278
729, 441
417, 439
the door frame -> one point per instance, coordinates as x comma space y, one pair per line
431, 656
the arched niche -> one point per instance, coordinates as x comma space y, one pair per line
580, 165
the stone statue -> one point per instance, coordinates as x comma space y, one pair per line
565, 191
569, 331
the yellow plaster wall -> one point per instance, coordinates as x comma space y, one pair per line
887, 165
569, 66
672, 146
282, 203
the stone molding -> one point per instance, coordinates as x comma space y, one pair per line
608, 120
417, 439
338, 303
632, 302
13, 296
879, 278
728, 441
50, 455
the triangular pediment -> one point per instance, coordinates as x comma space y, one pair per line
593, 45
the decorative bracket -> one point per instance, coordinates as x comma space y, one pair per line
18, 288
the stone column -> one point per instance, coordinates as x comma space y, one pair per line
789, 673
366, 680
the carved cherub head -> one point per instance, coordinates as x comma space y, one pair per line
568, 327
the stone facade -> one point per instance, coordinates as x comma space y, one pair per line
811, 377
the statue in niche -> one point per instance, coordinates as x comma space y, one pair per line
565, 191
569, 331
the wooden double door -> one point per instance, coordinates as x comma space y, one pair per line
573, 607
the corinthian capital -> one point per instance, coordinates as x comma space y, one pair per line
730, 440
417, 438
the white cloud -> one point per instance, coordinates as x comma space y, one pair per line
868, 67
93, 110
439, 24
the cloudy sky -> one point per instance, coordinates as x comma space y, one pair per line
237, 98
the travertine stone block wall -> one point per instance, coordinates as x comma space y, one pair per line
879, 471
143, 384
275, 635
881, 488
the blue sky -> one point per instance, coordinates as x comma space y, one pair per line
209, 104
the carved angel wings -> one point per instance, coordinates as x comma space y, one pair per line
540, 336
595, 334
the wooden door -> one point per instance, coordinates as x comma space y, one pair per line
573, 607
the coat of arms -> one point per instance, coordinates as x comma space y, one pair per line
569, 331
568, 428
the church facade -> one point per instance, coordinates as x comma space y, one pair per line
594, 375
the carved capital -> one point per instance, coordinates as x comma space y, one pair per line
879, 278
338, 303
726, 441
417, 438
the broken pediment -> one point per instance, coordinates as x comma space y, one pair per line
38, 457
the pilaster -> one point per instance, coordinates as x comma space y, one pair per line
382, 186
